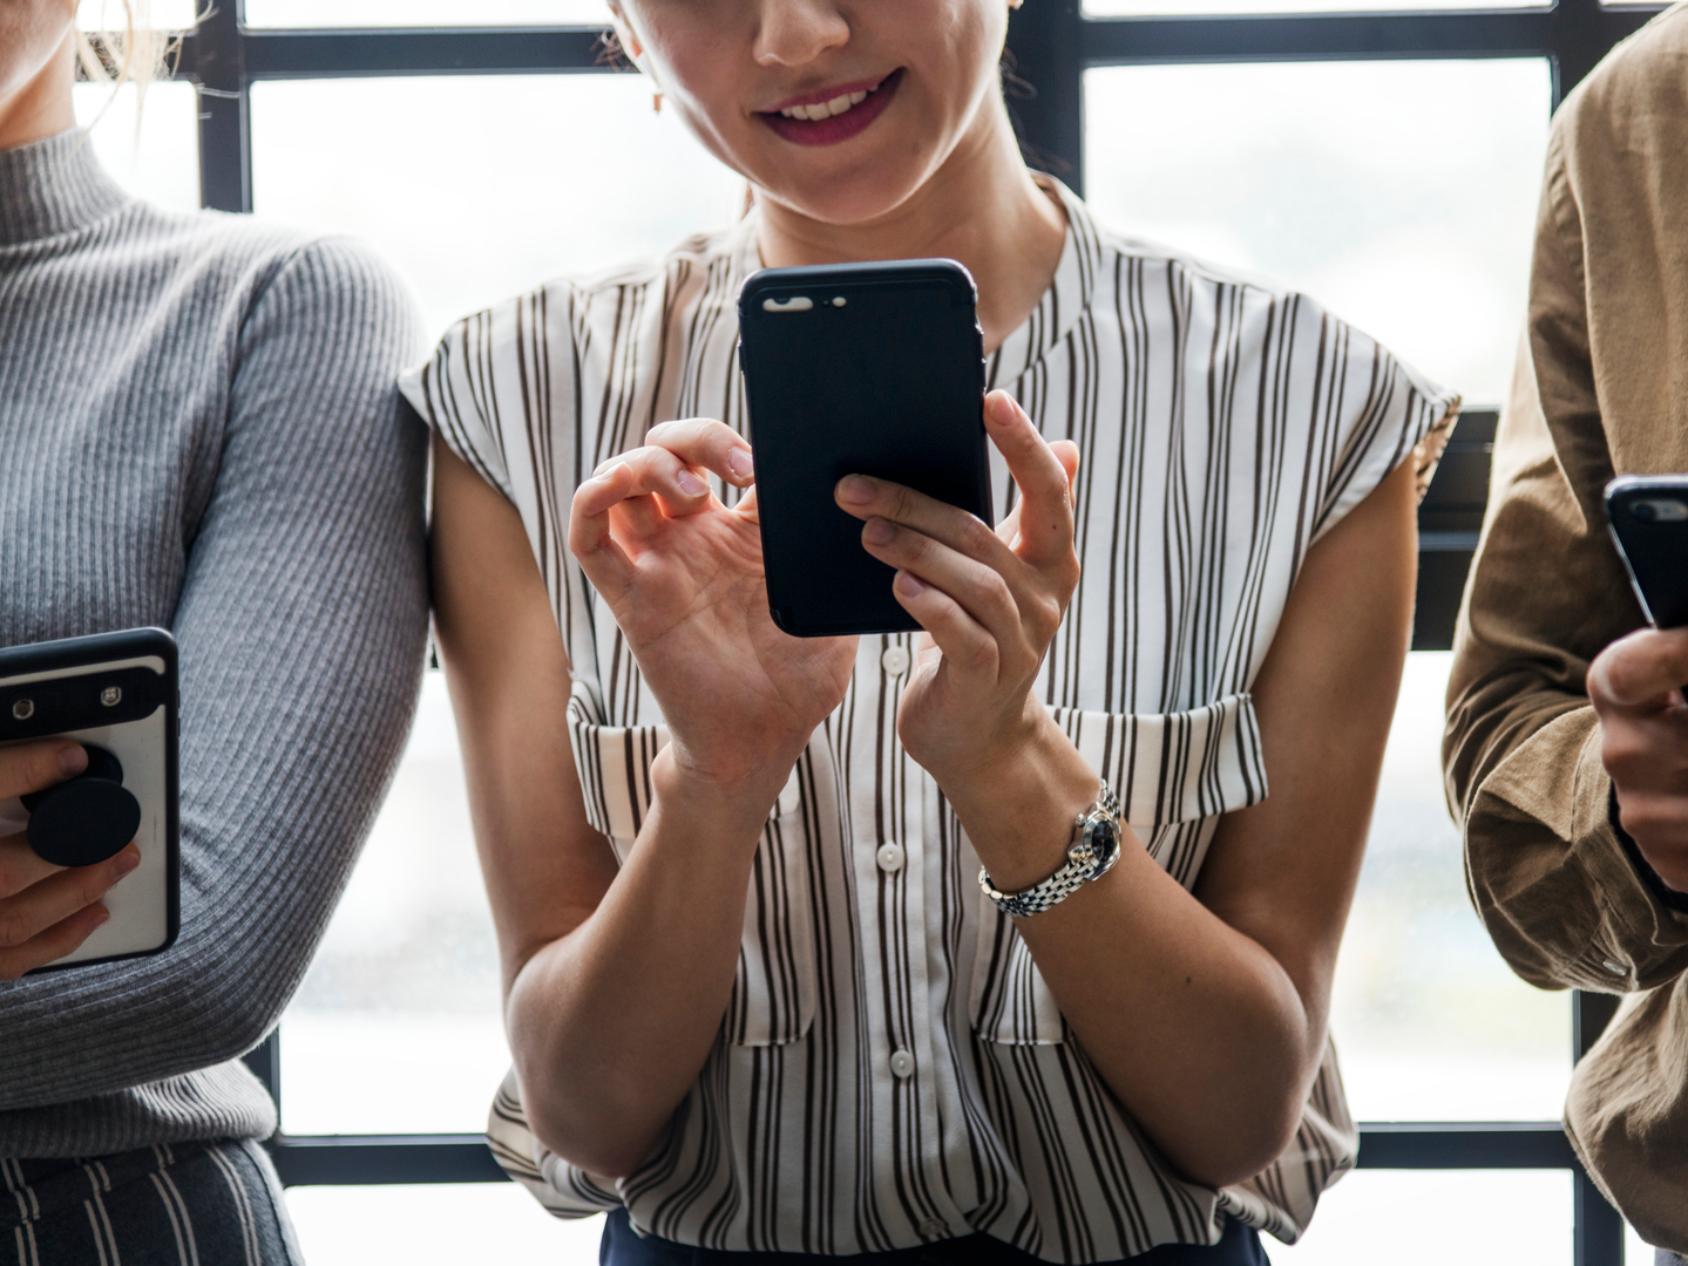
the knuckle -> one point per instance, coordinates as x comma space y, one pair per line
1646, 819
13, 930
1069, 571
977, 537
1622, 753
1048, 613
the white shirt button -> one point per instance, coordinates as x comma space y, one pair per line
894, 660
890, 858
902, 1063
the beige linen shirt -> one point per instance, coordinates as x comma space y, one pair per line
1601, 388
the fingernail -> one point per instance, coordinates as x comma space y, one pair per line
738, 461
999, 410
101, 915
128, 859
878, 532
690, 484
73, 760
909, 585
856, 489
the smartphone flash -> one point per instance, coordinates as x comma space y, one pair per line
838, 302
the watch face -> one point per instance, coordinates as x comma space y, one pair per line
1103, 833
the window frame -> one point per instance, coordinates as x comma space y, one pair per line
1053, 43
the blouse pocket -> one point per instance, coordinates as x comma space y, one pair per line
1173, 772
773, 997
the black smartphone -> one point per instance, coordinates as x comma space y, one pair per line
1648, 516
116, 694
872, 369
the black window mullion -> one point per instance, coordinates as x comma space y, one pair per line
1046, 86
218, 67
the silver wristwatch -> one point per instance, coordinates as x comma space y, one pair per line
1092, 854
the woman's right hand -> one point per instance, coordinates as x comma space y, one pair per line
682, 575
47, 911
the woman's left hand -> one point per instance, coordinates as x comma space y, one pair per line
989, 601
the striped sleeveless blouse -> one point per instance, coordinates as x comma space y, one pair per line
892, 1068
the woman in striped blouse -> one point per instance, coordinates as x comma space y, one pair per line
756, 998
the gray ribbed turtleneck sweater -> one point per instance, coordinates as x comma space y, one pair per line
199, 429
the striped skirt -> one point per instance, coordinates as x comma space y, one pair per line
191, 1204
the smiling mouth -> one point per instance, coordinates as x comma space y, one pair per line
834, 119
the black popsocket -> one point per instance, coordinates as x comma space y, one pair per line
86, 819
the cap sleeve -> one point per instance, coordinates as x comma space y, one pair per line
460, 391
1380, 413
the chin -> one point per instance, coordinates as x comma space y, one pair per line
867, 191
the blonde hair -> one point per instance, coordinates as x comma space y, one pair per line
134, 52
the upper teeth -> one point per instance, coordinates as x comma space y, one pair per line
825, 109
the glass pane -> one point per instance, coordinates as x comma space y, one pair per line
1429, 1022
422, 1226
160, 161
478, 189
326, 13
1637, 1252
1402, 195
1383, 1217
396, 1028
112, 15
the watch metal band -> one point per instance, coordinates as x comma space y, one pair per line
1094, 850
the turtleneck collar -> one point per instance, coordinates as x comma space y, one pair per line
53, 186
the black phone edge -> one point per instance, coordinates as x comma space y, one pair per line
950, 273
1616, 495
94, 648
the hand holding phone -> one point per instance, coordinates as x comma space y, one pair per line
70, 833
1636, 683
990, 601
48, 911
865, 369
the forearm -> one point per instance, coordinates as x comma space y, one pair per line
611, 1024
1196, 1028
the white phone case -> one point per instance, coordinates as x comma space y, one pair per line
144, 904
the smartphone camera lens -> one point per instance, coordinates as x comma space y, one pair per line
1661, 510
23, 709
111, 696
